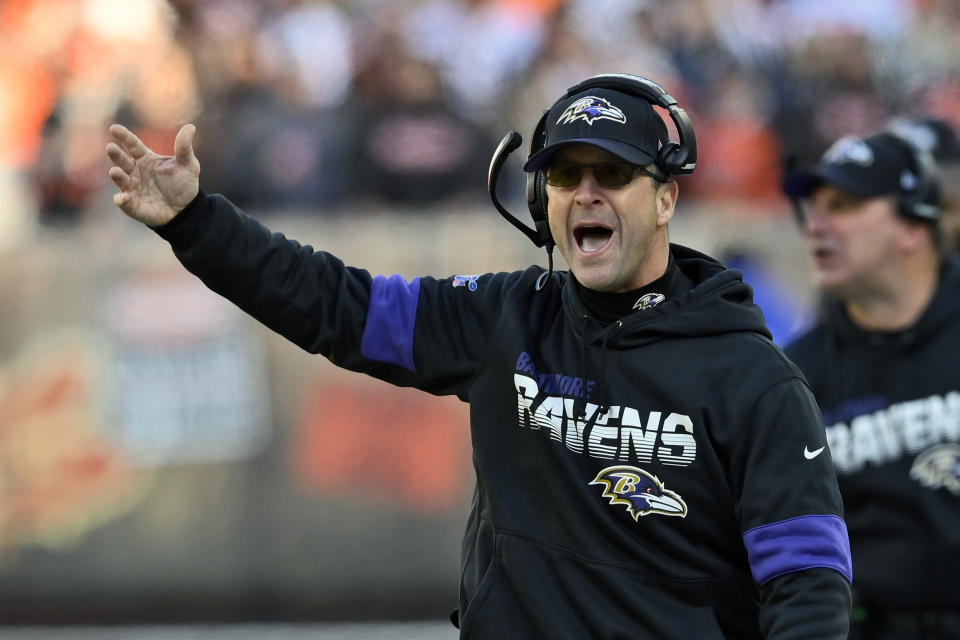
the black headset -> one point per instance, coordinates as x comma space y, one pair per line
673, 158
924, 201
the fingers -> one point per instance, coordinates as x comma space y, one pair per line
120, 177
128, 141
183, 146
119, 157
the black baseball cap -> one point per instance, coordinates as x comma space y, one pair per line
623, 124
861, 167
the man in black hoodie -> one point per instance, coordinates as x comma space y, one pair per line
649, 464
881, 365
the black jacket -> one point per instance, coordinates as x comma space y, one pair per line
891, 405
640, 480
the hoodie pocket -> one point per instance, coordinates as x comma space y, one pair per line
477, 606
531, 590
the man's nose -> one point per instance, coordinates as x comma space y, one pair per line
588, 189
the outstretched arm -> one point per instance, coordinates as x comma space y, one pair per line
153, 188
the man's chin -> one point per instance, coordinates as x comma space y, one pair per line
834, 285
596, 280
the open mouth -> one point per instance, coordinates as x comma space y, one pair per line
821, 254
592, 238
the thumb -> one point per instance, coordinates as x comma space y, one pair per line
183, 146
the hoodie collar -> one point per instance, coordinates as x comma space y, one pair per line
716, 302
609, 307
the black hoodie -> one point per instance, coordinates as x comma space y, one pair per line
639, 479
891, 405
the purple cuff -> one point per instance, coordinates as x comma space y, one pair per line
388, 334
804, 542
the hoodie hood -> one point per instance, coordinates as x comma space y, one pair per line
720, 302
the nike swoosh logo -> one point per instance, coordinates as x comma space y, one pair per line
810, 455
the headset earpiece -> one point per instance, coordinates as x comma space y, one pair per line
537, 203
537, 184
671, 158
924, 201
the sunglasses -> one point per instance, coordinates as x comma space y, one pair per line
607, 174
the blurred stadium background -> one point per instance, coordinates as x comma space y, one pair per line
165, 460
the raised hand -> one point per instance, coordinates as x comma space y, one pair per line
153, 188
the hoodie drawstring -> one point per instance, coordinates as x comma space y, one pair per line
580, 404
603, 401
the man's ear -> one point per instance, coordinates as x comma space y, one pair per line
666, 201
916, 235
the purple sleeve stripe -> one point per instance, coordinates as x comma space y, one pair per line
804, 542
388, 335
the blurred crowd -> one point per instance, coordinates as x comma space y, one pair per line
319, 104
